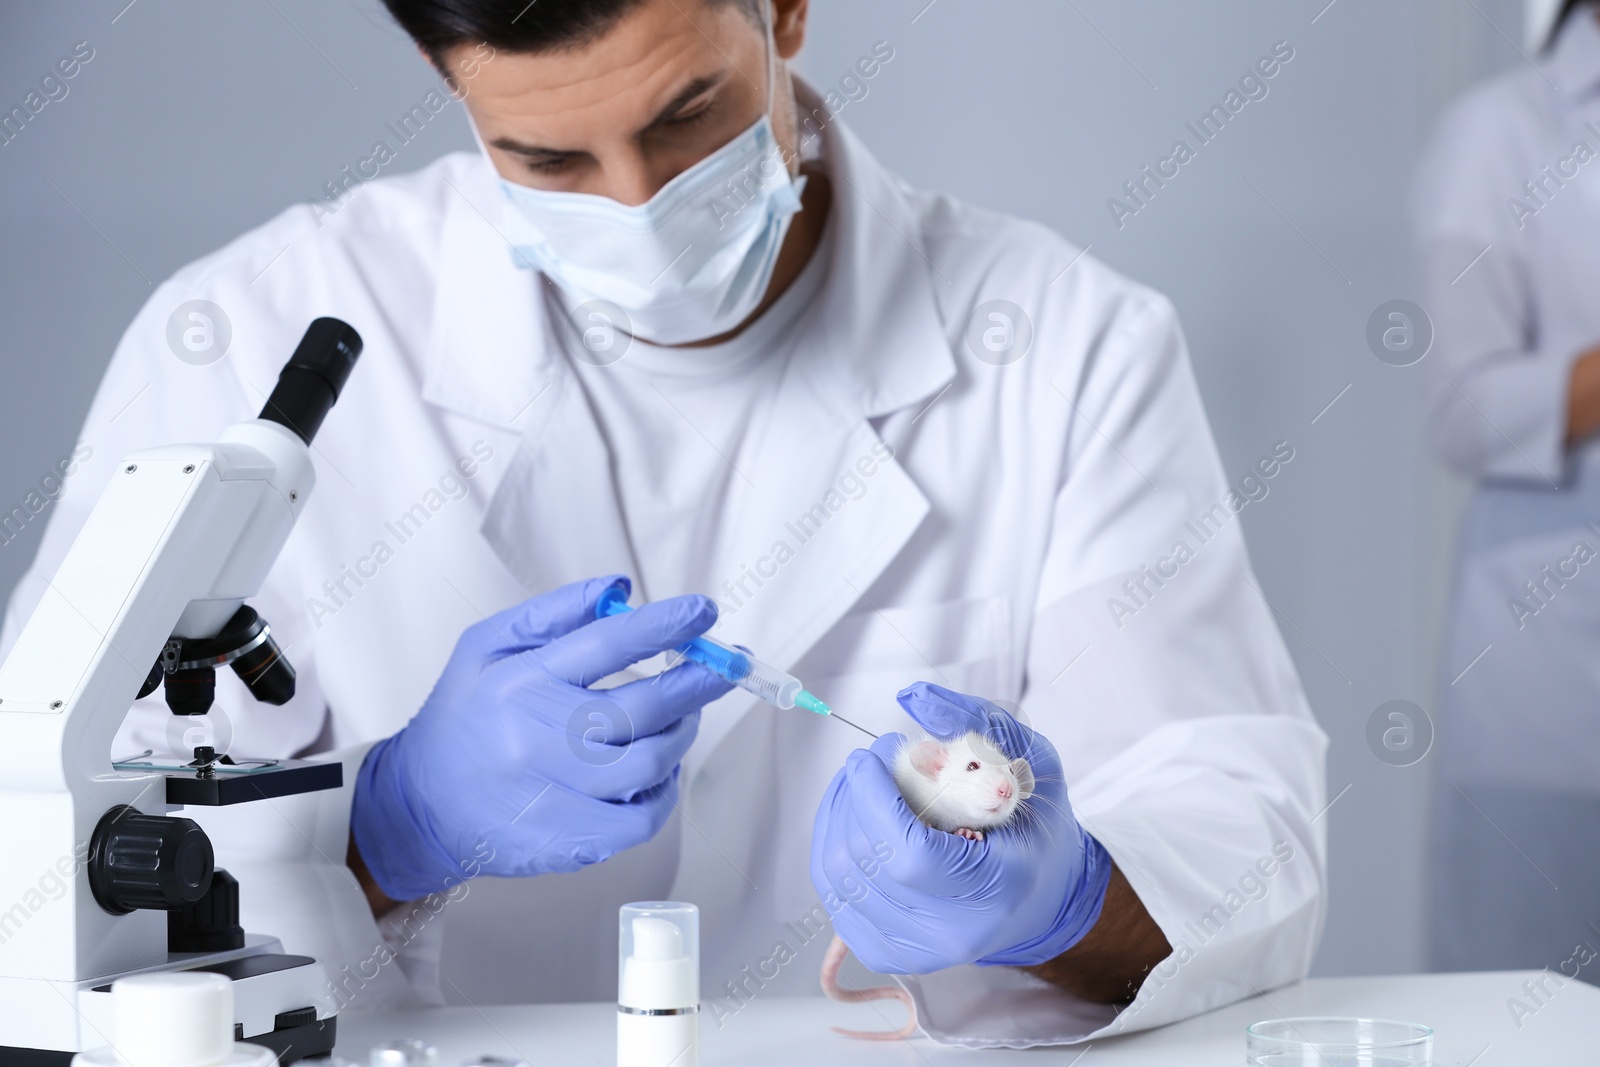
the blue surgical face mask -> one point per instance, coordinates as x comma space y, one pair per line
692, 262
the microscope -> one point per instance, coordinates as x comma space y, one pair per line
152, 595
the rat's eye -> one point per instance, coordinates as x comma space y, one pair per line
972, 766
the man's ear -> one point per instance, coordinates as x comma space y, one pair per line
789, 26
928, 758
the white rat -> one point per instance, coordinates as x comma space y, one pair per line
963, 786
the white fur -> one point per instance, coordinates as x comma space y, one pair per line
936, 780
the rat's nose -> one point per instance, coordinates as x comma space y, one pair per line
1004, 790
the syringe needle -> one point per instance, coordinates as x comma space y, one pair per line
847, 722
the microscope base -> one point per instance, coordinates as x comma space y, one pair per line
275, 998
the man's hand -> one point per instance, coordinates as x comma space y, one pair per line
514, 767
1025, 894
1583, 397
378, 901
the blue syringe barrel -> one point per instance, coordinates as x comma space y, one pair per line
719, 659
732, 664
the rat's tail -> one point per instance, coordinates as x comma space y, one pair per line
830, 985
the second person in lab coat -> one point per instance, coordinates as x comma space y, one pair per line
1507, 206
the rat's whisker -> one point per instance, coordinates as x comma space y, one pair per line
1061, 815
1060, 810
1036, 817
1024, 822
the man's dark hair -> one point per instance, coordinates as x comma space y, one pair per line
516, 25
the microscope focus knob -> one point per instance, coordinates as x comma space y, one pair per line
155, 862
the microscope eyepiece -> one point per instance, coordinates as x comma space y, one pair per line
312, 379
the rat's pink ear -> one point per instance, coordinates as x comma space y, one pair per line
1023, 770
928, 758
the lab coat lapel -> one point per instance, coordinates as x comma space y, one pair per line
553, 517
801, 551
809, 543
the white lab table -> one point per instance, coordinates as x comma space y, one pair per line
1469, 1012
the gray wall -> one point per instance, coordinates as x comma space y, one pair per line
195, 121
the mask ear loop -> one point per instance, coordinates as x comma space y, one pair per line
478, 137
769, 26
769, 31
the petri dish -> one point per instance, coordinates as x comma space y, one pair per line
1338, 1042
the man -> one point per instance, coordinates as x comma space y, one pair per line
676, 323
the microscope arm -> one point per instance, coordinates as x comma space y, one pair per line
181, 536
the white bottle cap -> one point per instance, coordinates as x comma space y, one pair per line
175, 1019
659, 950
406, 1052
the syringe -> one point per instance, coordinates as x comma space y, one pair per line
742, 669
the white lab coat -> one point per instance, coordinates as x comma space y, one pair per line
982, 555
1511, 280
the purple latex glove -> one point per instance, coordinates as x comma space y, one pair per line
909, 899
514, 767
